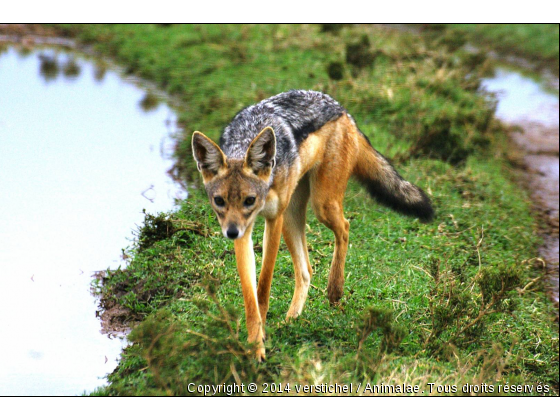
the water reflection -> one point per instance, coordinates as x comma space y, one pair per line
71, 69
52, 65
99, 72
149, 102
521, 98
49, 67
24, 52
79, 162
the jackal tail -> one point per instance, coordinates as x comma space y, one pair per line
386, 186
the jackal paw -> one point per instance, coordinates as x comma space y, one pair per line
292, 314
334, 295
260, 354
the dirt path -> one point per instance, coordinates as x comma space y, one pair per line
540, 144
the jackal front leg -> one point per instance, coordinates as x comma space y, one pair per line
245, 257
271, 243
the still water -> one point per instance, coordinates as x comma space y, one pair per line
82, 153
521, 98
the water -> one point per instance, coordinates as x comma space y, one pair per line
527, 104
521, 98
80, 157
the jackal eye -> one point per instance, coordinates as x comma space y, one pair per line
219, 201
249, 201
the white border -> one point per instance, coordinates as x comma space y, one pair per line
290, 11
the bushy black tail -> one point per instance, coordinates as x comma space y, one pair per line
386, 186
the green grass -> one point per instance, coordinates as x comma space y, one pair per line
450, 303
536, 42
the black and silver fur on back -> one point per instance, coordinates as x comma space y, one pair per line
293, 115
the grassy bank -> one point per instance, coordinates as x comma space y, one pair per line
450, 303
536, 42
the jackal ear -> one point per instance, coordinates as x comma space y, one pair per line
208, 155
261, 155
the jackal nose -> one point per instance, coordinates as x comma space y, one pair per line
232, 232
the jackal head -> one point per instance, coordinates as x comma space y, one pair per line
237, 188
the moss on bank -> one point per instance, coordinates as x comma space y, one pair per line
449, 303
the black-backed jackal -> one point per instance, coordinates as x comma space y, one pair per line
273, 158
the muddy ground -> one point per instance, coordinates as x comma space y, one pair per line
539, 147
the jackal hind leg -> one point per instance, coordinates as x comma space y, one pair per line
294, 236
327, 195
